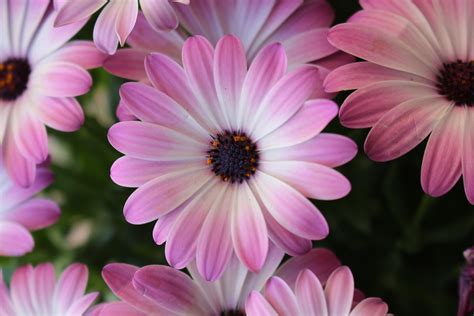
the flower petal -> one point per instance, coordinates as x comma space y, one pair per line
119, 278
104, 35
15, 240
281, 297
366, 106
181, 244
169, 77
82, 53
29, 134
357, 75
74, 11
198, 60
405, 126
370, 306
20, 169
322, 262
151, 105
71, 285
61, 79
160, 14
340, 291
33, 214
268, 67
214, 247
162, 195
154, 142
131, 172
169, 288
309, 121
312, 180
249, 231
62, 114
283, 100
331, 150
257, 305
289, 242
290, 208
230, 68
379, 47
128, 63
468, 153
442, 166
125, 19
310, 294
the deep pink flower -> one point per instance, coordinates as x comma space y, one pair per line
307, 297
35, 291
301, 27
161, 290
417, 81
224, 155
39, 78
118, 18
21, 212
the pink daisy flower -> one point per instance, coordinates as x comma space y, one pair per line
161, 290
21, 213
301, 27
118, 18
35, 291
224, 155
39, 78
417, 82
307, 297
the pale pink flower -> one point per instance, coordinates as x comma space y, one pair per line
224, 155
39, 78
417, 82
161, 290
21, 212
301, 27
118, 18
308, 296
35, 291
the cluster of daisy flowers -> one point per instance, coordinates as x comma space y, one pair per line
222, 135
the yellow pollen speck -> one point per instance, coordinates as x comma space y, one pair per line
10, 67
247, 148
209, 161
2, 66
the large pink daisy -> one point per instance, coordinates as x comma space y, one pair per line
307, 297
39, 78
224, 155
301, 27
118, 18
21, 212
417, 81
35, 291
161, 290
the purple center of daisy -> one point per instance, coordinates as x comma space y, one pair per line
456, 82
14, 74
233, 156
232, 312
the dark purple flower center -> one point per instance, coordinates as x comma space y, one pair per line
233, 156
14, 74
456, 82
232, 312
